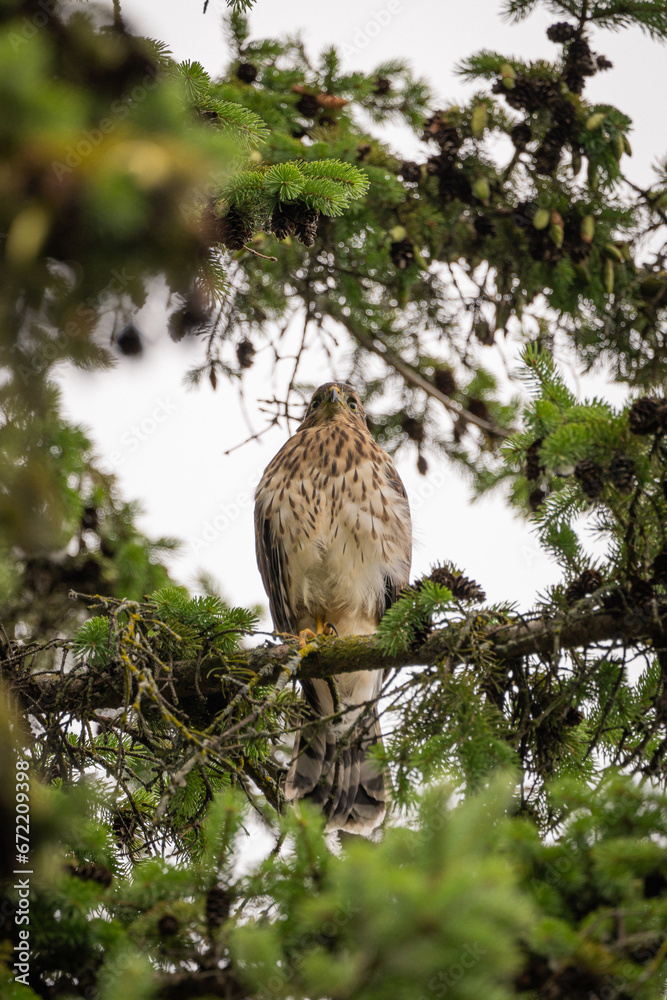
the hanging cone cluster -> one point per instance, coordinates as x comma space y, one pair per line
587, 583
452, 182
440, 130
622, 473
579, 63
533, 466
402, 253
647, 416
294, 218
234, 230
589, 475
533, 94
462, 588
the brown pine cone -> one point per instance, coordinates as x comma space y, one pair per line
588, 474
622, 473
402, 253
659, 568
218, 904
234, 230
444, 381
168, 925
462, 588
521, 135
561, 32
246, 72
410, 171
533, 466
644, 416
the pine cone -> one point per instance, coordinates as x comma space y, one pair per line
536, 498
655, 884
447, 136
478, 408
579, 64
561, 32
603, 63
305, 224
93, 872
410, 172
444, 381
218, 904
533, 466
641, 592
453, 184
659, 568
587, 583
484, 226
308, 105
588, 474
245, 352
461, 587
413, 428
129, 341
572, 716
282, 222
234, 230
644, 416
246, 72
548, 153
521, 135
402, 253
382, 85
622, 473
530, 93
422, 465
168, 925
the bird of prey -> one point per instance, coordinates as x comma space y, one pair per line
334, 542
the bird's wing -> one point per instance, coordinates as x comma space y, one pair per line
402, 527
273, 569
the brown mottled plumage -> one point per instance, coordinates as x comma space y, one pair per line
334, 538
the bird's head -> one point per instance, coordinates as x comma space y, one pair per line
335, 401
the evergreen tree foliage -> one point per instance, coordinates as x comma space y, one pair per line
524, 853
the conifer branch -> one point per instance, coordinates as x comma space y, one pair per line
329, 656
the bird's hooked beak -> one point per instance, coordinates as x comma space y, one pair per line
334, 396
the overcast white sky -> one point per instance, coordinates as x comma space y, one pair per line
167, 444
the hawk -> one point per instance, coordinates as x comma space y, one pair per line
334, 542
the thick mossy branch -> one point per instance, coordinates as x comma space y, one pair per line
191, 682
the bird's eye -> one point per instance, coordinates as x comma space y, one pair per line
352, 405
315, 403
